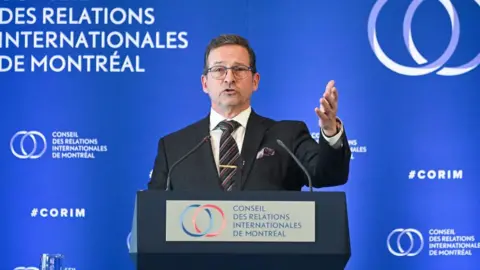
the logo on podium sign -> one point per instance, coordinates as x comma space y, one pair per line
240, 221
207, 220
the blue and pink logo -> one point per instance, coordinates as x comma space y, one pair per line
211, 229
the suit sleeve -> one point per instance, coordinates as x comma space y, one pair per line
160, 169
328, 166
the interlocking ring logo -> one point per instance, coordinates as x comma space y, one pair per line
35, 152
399, 251
412, 49
209, 231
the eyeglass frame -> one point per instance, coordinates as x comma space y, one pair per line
226, 72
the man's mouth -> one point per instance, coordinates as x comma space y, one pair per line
229, 91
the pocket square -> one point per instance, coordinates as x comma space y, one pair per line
265, 152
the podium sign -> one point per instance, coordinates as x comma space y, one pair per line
240, 221
254, 230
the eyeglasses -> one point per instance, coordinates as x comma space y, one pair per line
219, 72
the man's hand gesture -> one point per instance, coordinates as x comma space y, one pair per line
328, 110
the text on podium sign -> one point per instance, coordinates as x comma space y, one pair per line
240, 221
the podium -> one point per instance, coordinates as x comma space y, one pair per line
240, 230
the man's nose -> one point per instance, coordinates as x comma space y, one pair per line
229, 77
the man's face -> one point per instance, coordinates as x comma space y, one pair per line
229, 88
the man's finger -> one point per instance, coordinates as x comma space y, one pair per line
325, 103
330, 84
321, 114
334, 93
332, 102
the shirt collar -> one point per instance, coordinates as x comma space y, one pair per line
241, 118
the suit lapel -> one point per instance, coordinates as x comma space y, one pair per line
251, 143
206, 160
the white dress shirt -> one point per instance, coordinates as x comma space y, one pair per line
239, 133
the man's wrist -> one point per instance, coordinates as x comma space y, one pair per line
333, 131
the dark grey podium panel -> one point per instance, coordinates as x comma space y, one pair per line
330, 250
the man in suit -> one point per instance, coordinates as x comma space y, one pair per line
237, 148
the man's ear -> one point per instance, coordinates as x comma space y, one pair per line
256, 81
203, 79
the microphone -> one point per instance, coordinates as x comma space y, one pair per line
298, 162
183, 158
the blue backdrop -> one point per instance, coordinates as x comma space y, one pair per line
77, 145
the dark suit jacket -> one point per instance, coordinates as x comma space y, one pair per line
326, 165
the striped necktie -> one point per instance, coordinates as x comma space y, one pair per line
229, 154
